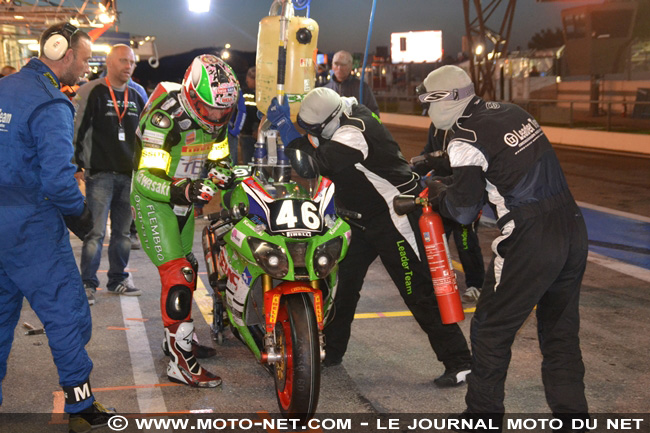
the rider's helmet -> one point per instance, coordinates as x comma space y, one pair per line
209, 92
320, 112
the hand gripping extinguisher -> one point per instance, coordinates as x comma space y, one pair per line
438, 257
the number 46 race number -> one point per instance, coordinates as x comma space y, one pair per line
294, 214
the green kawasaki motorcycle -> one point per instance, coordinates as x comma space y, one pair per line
272, 257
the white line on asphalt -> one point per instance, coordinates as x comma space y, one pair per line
150, 398
623, 268
614, 212
492, 221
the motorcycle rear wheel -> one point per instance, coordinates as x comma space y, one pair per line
297, 375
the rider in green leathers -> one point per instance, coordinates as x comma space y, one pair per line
182, 134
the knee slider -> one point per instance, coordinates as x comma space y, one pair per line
179, 302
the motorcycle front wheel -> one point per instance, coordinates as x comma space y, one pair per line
297, 375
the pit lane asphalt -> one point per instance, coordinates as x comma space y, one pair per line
389, 367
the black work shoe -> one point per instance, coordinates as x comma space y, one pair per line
93, 417
451, 378
331, 361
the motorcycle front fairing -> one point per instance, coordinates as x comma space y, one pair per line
291, 233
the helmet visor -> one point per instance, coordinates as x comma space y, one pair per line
317, 128
215, 116
443, 95
311, 129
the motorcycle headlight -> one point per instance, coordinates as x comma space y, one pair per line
269, 257
326, 256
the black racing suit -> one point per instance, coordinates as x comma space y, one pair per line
366, 165
539, 259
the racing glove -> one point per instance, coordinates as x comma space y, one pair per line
437, 162
280, 118
436, 188
220, 173
187, 191
80, 225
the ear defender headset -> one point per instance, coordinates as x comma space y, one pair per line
58, 42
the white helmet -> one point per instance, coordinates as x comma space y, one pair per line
447, 91
320, 112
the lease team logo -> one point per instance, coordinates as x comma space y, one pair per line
5, 118
518, 136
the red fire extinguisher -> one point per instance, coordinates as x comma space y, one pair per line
442, 273
438, 257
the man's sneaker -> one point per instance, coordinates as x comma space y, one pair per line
135, 241
453, 377
471, 294
93, 417
90, 293
125, 288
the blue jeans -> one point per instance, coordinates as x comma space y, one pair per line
107, 191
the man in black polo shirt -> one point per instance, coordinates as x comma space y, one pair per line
107, 118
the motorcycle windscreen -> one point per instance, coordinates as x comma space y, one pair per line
295, 199
294, 176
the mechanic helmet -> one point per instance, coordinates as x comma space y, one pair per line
320, 112
446, 91
209, 92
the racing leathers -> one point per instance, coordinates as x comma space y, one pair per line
175, 151
499, 152
366, 165
38, 188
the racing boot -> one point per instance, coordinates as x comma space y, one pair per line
183, 366
198, 350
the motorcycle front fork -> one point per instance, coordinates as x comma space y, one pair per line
270, 355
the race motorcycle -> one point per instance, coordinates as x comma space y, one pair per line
272, 258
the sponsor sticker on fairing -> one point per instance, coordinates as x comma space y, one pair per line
237, 237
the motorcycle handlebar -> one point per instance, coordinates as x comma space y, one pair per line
348, 214
236, 213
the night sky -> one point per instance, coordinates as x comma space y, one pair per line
343, 23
